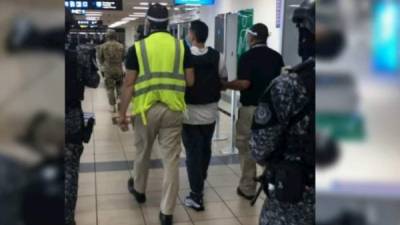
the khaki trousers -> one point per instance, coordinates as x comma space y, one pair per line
166, 125
248, 166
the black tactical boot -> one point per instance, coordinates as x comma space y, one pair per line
140, 198
165, 219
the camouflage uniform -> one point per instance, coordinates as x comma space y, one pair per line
110, 56
12, 182
73, 150
286, 96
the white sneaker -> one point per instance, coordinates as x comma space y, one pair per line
191, 203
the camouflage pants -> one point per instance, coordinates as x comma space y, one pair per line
278, 213
113, 86
73, 154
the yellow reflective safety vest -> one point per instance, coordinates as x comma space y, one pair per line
161, 74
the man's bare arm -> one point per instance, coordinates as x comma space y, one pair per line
237, 85
189, 76
127, 91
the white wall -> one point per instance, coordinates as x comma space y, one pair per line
130, 31
264, 12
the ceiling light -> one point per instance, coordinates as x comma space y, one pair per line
137, 16
139, 13
141, 7
129, 19
117, 24
146, 3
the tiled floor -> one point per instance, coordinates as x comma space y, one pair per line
105, 200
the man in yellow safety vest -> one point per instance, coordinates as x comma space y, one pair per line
159, 68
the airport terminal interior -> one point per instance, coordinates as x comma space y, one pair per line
357, 107
106, 164
354, 122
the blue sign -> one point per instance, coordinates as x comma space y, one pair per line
386, 37
194, 2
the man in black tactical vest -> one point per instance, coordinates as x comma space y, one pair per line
202, 111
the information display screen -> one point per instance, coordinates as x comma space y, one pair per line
194, 2
386, 36
95, 5
89, 24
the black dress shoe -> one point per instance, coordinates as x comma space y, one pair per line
243, 195
165, 219
140, 198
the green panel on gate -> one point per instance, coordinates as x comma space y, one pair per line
342, 126
245, 21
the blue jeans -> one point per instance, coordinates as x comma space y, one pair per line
197, 140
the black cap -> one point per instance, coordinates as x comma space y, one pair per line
157, 13
304, 16
260, 31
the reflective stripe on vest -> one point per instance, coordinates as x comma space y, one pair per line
154, 86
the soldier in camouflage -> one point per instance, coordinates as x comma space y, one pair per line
281, 120
110, 56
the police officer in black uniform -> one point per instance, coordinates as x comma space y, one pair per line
77, 76
283, 134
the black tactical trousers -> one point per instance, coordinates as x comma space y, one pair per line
72, 157
197, 140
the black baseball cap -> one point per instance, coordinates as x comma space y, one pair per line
157, 13
259, 30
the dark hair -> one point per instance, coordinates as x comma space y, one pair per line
158, 25
200, 30
262, 32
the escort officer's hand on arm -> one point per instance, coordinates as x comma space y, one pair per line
242, 83
237, 85
189, 77
126, 96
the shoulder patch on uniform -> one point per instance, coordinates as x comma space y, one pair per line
263, 114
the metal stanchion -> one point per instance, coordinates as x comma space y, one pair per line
232, 149
217, 134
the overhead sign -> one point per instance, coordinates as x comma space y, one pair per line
78, 11
96, 5
194, 2
386, 36
278, 18
87, 24
185, 17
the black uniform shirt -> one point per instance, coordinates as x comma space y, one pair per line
260, 65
